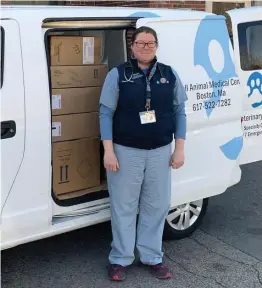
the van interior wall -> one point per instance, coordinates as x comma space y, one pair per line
65, 164
116, 47
113, 46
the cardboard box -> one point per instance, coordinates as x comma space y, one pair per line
76, 165
75, 100
75, 126
78, 76
73, 50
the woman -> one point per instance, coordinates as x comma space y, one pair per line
141, 111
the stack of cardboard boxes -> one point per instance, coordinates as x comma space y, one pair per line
77, 76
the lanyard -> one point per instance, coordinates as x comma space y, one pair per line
148, 88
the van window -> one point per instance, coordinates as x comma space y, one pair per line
2, 44
250, 45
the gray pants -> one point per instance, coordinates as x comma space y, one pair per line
143, 180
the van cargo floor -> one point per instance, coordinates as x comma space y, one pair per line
80, 193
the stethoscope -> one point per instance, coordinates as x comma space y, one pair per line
129, 65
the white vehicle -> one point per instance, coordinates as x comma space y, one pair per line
195, 43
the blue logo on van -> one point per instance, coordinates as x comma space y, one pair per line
232, 148
254, 82
144, 14
204, 36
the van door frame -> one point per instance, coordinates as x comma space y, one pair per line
2, 55
51, 25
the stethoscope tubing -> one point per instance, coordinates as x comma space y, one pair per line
129, 65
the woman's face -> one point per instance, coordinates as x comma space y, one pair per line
144, 48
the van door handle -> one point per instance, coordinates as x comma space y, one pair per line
8, 129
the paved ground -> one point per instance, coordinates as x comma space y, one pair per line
225, 252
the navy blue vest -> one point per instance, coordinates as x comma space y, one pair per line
127, 127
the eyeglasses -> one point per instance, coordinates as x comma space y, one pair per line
141, 44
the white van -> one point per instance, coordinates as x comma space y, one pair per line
215, 76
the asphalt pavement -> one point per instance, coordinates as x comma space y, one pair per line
225, 252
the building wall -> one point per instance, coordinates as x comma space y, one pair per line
15, 2
196, 5
257, 3
176, 4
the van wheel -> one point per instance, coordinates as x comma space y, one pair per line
184, 219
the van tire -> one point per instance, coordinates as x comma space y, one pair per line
172, 233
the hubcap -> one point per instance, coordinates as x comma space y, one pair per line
183, 216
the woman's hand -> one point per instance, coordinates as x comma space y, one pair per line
177, 159
110, 161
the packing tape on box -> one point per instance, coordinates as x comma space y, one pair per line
88, 50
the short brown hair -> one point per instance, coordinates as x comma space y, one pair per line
144, 29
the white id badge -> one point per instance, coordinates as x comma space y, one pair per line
147, 117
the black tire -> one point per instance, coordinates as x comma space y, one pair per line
170, 233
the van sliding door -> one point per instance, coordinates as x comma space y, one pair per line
214, 134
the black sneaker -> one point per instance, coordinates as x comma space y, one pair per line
160, 271
116, 272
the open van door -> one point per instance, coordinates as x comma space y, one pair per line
204, 62
247, 31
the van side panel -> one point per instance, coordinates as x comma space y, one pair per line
201, 53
